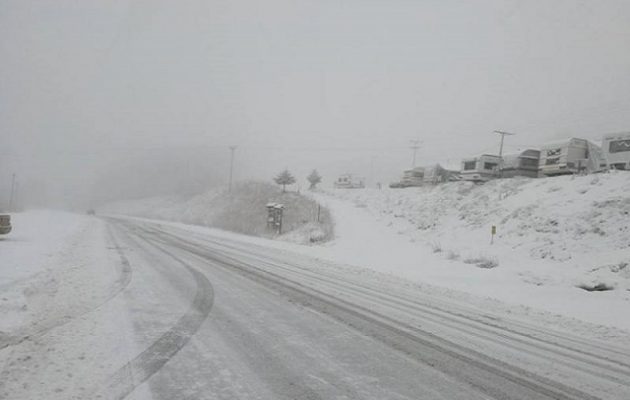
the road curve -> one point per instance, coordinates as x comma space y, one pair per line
271, 325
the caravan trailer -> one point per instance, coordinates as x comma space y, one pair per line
480, 169
412, 177
349, 181
524, 163
616, 149
437, 174
570, 156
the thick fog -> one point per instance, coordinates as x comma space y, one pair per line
104, 100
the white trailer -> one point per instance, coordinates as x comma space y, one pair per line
616, 148
480, 169
524, 163
570, 156
437, 174
413, 177
349, 181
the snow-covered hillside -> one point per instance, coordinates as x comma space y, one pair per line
553, 236
581, 221
242, 211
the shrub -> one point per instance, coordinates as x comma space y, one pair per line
482, 261
600, 287
452, 255
436, 247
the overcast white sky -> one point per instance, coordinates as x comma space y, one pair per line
153, 91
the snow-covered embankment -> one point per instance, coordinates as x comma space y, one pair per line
553, 236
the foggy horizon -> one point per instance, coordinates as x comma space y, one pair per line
110, 100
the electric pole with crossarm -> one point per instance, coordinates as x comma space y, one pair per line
232, 149
503, 134
415, 145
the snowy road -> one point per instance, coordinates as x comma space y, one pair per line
200, 316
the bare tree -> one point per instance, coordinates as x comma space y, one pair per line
284, 178
314, 178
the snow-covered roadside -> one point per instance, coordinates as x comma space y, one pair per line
57, 268
553, 235
379, 230
242, 210
37, 238
363, 239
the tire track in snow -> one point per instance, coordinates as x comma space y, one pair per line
121, 282
487, 375
472, 330
153, 358
443, 313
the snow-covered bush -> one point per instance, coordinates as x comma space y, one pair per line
436, 247
452, 255
483, 261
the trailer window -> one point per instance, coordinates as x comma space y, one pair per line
469, 165
489, 166
552, 161
529, 162
618, 146
554, 152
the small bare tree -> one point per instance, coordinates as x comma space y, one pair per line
314, 178
284, 178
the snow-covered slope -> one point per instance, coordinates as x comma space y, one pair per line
242, 211
582, 221
553, 235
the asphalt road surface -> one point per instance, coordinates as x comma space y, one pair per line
216, 318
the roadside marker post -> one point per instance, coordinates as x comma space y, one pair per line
493, 232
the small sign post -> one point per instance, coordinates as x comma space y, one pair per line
274, 217
493, 232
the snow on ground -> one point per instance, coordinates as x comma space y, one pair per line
553, 235
37, 237
242, 210
55, 269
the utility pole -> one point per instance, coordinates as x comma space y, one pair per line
503, 134
232, 149
372, 170
12, 197
415, 145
